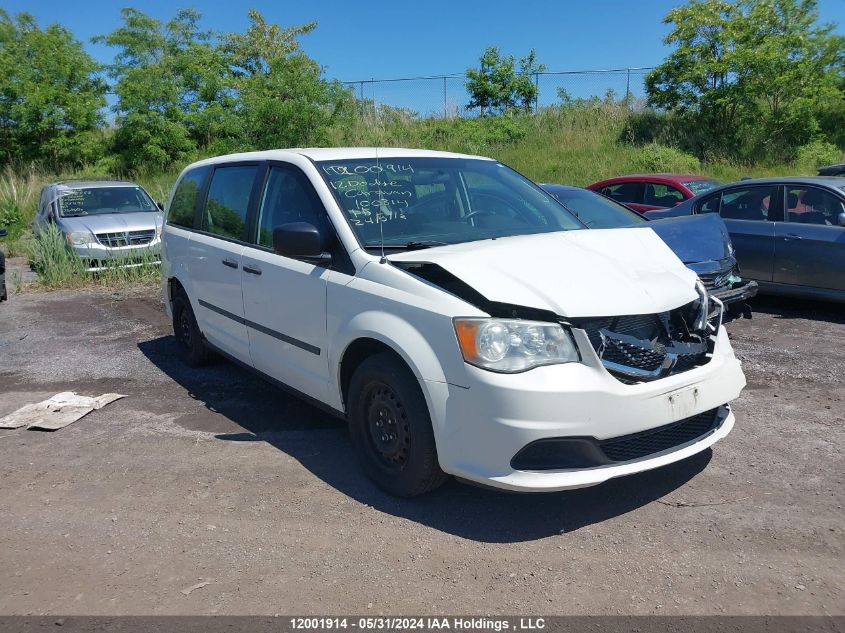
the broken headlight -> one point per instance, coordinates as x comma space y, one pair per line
514, 345
701, 307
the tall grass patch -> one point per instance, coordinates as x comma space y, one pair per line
59, 266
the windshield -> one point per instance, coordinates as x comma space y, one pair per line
103, 200
697, 186
418, 202
594, 210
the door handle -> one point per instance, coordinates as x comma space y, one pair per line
252, 270
791, 236
231, 263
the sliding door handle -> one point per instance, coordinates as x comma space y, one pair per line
231, 263
252, 270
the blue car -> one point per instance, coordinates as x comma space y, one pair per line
702, 243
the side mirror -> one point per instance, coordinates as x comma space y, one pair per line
2, 232
300, 240
841, 219
160, 206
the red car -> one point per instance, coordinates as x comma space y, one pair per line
647, 192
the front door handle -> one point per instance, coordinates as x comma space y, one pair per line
231, 263
252, 270
791, 236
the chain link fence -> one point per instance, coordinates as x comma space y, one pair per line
446, 96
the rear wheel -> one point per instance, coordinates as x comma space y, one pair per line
187, 332
391, 427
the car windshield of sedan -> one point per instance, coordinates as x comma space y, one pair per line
421, 202
596, 211
699, 186
103, 200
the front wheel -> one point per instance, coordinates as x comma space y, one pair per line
391, 427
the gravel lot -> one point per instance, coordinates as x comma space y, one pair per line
214, 477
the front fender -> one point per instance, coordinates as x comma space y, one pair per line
423, 353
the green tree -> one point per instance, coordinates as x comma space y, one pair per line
173, 86
50, 95
283, 98
497, 87
750, 76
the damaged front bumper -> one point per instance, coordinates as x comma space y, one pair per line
575, 425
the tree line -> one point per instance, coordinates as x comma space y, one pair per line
753, 80
179, 89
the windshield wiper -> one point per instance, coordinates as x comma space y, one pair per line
407, 246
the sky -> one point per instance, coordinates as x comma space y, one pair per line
357, 40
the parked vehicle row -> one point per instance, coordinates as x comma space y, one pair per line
461, 319
464, 320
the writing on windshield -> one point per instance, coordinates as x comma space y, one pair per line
102, 200
449, 200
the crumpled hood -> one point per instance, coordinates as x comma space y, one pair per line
577, 273
113, 222
695, 238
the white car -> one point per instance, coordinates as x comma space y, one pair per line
452, 311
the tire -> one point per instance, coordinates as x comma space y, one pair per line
391, 427
187, 332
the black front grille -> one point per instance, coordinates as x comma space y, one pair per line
716, 280
130, 238
642, 347
561, 453
631, 355
639, 445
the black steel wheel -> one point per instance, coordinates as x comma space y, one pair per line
391, 427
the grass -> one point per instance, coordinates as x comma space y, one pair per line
567, 145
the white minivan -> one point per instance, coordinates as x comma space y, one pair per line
458, 316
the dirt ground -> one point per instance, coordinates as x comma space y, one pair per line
212, 476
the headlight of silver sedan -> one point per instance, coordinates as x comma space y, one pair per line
78, 238
513, 345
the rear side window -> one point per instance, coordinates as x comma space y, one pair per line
809, 205
181, 212
228, 201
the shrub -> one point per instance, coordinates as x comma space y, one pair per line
817, 154
18, 196
659, 158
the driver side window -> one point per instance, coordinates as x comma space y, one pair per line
288, 197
